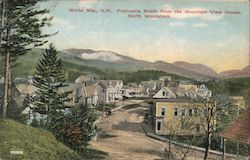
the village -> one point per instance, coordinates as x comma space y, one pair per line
159, 107
105, 80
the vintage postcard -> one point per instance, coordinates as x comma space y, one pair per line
124, 79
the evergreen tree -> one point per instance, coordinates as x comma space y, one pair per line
49, 79
20, 31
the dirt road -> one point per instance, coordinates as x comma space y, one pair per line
124, 139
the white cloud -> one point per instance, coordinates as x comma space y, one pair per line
88, 4
200, 25
176, 24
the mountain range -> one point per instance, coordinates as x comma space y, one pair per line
104, 63
109, 60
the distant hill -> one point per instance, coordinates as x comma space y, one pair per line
105, 63
35, 143
245, 72
75, 67
199, 68
112, 61
174, 69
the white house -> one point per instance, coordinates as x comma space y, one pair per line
94, 92
113, 90
86, 92
91, 96
204, 92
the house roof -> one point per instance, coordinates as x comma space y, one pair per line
239, 130
166, 89
178, 91
26, 89
110, 83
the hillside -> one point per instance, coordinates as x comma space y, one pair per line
199, 68
35, 143
106, 63
75, 67
112, 61
245, 72
170, 68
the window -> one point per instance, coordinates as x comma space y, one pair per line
158, 125
163, 93
190, 112
175, 111
163, 111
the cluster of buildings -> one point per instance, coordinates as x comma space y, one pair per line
171, 100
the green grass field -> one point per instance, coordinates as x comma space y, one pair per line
35, 143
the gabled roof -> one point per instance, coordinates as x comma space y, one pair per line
26, 89
166, 89
178, 91
110, 83
239, 130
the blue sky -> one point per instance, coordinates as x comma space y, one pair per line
219, 41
